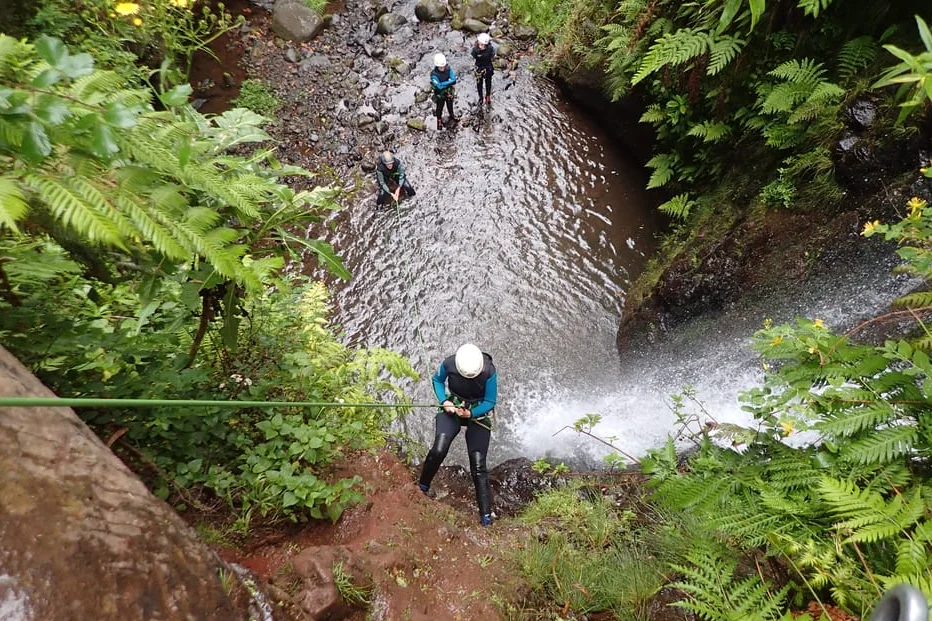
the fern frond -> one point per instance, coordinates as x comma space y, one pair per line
662, 164
852, 421
846, 500
813, 7
655, 115
710, 131
673, 49
72, 210
722, 51
855, 55
912, 556
678, 207
13, 205
915, 300
882, 446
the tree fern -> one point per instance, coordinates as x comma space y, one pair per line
673, 49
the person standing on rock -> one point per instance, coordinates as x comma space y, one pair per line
442, 79
391, 177
466, 385
483, 52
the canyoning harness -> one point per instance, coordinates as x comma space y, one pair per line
442, 83
483, 60
485, 420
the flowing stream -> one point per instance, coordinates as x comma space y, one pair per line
524, 237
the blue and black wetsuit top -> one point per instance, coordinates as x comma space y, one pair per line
478, 393
442, 80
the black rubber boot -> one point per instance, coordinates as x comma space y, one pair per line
435, 457
480, 478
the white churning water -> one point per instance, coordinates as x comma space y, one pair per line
523, 238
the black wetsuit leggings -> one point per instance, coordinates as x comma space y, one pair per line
484, 74
438, 110
478, 436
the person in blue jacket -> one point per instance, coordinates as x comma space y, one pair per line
466, 385
442, 79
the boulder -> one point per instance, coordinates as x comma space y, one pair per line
296, 22
524, 32
431, 10
481, 10
390, 22
474, 25
80, 535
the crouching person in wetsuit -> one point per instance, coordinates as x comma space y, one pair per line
391, 177
442, 79
467, 387
484, 52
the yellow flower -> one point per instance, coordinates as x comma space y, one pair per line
916, 203
137, 21
776, 340
813, 350
869, 227
126, 8
818, 323
787, 427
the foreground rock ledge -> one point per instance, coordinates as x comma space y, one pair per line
80, 536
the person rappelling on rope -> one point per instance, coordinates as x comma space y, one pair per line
484, 52
466, 385
390, 174
442, 79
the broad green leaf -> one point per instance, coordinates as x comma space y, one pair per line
177, 96
77, 66
103, 142
36, 143
47, 78
728, 14
289, 500
51, 50
118, 115
757, 9
52, 110
924, 33
325, 255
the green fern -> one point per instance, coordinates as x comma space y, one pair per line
714, 595
855, 55
673, 49
722, 51
678, 207
813, 7
883, 446
710, 131
664, 169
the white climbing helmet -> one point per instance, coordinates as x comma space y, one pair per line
469, 360
440, 60
484, 38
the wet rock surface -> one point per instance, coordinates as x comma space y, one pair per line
80, 535
356, 87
